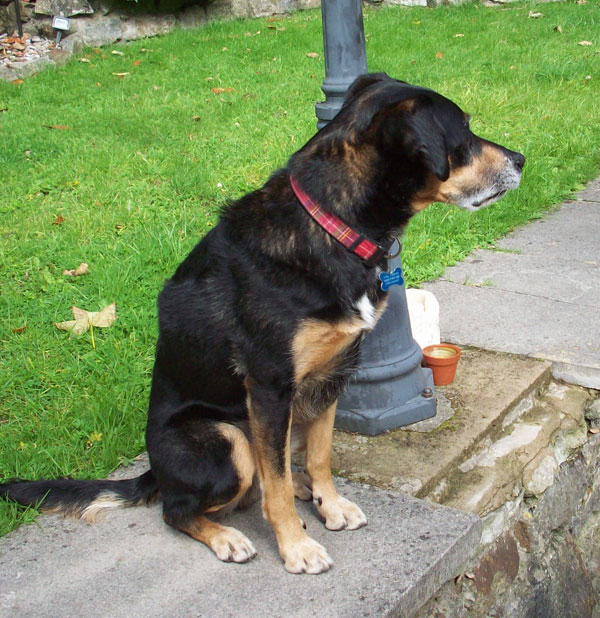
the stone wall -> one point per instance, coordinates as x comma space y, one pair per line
101, 22
540, 552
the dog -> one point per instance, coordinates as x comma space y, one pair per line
260, 327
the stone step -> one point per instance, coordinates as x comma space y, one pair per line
488, 389
132, 564
522, 456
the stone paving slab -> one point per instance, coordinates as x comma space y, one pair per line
488, 388
537, 295
132, 564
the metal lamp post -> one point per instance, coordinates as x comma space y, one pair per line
390, 389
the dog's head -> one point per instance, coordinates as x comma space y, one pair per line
423, 140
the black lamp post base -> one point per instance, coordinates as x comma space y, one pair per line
390, 388
376, 420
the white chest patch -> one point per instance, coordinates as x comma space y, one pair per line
367, 311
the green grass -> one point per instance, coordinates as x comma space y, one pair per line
148, 159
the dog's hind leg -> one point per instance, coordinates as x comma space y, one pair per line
337, 512
228, 544
204, 466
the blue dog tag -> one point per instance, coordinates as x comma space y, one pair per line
393, 278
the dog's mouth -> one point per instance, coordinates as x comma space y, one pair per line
478, 200
490, 200
502, 184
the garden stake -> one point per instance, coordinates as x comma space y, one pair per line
18, 15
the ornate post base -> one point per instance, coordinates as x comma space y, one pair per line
390, 389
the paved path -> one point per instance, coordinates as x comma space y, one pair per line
537, 294
133, 565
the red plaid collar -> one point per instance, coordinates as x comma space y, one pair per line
367, 250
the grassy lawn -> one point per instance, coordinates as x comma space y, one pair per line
127, 172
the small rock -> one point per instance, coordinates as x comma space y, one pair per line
67, 8
592, 412
539, 475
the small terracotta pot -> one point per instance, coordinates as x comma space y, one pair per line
442, 359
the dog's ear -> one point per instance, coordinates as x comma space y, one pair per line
400, 115
430, 141
411, 127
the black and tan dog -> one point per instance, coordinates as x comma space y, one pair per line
260, 326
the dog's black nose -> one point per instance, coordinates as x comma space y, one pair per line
518, 159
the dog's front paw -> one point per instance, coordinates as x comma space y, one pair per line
339, 513
306, 556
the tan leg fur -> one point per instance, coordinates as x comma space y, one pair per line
338, 513
300, 553
229, 544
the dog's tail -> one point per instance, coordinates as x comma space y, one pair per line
83, 499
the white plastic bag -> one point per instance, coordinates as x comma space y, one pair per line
424, 312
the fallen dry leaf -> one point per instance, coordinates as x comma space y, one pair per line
86, 60
19, 330
439, 55
59, 220
458, 35
84, 319
121, 75
196, 118
136, 63
534, 15
82, 269
217, 90
116, 52
17, 82
558, 29
58, 127
585, 43
312, 55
